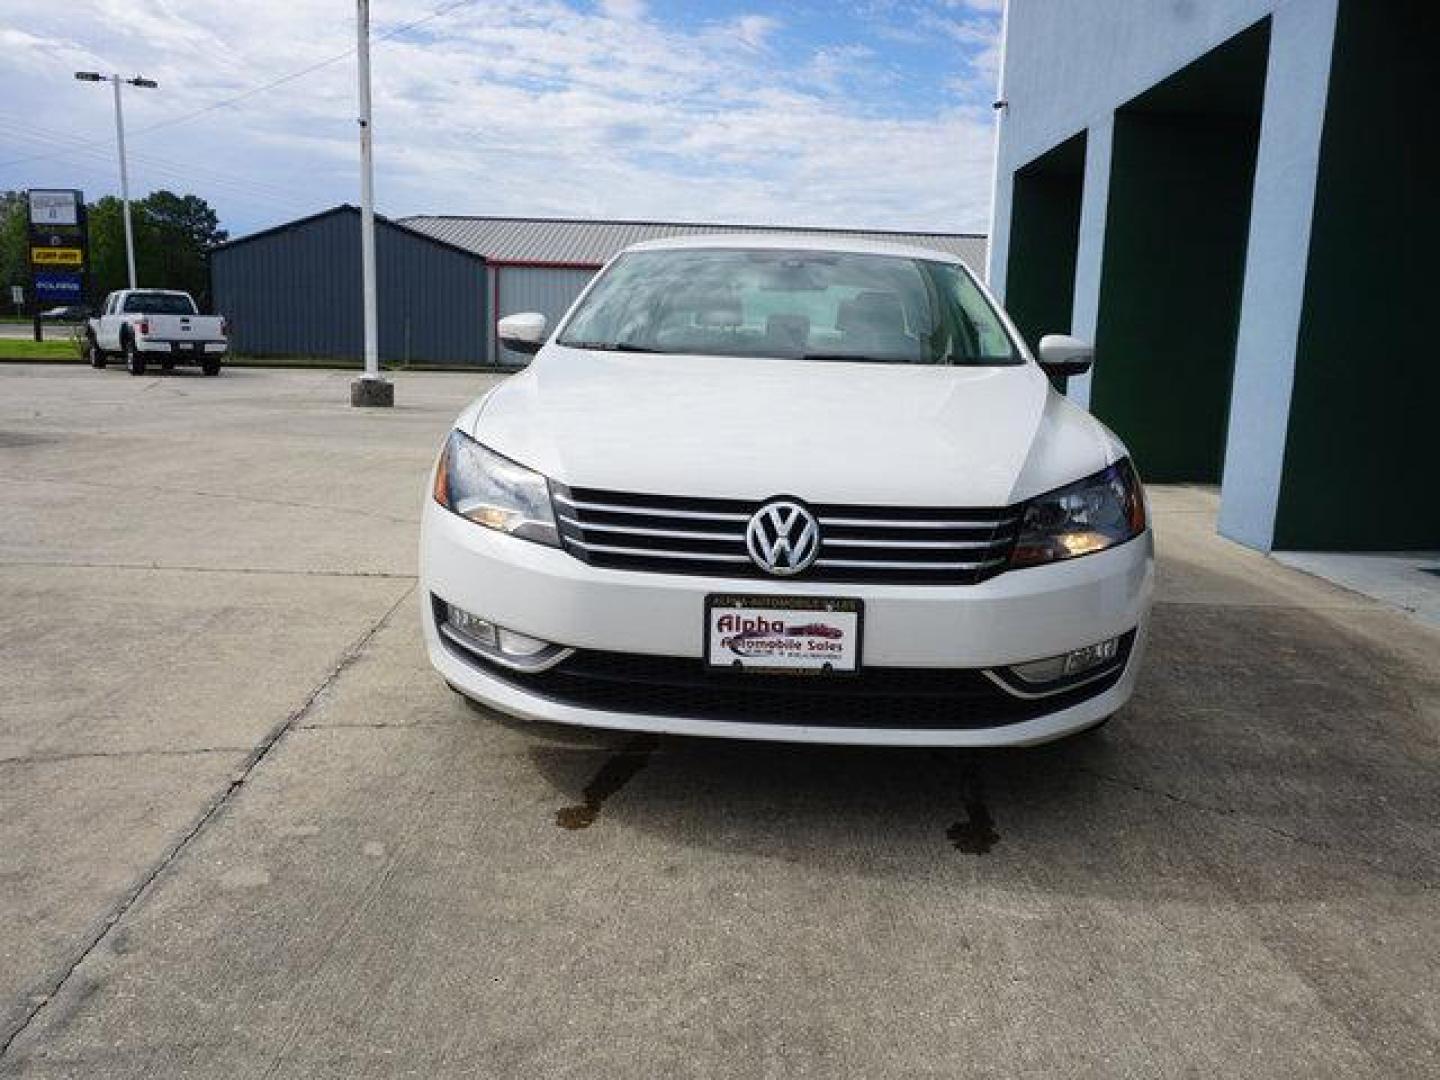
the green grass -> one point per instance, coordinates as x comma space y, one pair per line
18, 349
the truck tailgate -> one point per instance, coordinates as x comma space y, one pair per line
184, 327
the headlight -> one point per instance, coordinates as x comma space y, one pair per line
1087, 516
493, 491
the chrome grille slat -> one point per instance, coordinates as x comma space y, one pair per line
909, 545
884, 523
675, 534
639, 530
647, 511
658, 553
880, 564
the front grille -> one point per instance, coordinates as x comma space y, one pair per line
666, 534
878, 697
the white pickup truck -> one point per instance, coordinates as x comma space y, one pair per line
155, 325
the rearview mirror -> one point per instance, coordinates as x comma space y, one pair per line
523, 333
1061, 355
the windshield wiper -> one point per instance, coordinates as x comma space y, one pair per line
610, 346
968, 360
859, 358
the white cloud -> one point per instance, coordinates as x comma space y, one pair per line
624, 9
506, 106
753, 30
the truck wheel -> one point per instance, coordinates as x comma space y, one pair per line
94, 353
134, 358
210, 367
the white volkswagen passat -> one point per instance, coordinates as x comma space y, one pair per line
782, 488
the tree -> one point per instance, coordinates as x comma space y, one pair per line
180, 230
14, 270
173, 237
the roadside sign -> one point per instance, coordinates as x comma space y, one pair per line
55, 207
57, 256
59, 247
17, 295
64, 286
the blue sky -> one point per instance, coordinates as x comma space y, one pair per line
865, 113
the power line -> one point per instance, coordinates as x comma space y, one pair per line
90, 157
67, 146
225, 103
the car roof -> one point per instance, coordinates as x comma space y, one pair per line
794, 242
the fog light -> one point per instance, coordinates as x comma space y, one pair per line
509, 648
1075, 662
472, 628
514, 644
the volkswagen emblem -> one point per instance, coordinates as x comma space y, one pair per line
783, 538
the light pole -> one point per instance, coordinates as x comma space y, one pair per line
370, 389
115, 81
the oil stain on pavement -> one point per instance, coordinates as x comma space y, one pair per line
610, 778
975, 835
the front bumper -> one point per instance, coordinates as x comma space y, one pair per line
1012, 618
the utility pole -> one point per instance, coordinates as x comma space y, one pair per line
115, 81
370, 389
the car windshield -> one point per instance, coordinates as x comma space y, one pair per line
812, 305
160, 303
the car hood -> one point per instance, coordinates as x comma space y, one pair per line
722, 427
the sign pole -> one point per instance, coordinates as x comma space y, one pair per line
370, 389
124, 181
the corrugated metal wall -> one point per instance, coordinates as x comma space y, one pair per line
296, 291
548, 290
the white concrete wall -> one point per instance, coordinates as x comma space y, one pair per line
1069, 64
1281, 210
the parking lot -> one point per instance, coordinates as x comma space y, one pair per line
247, 832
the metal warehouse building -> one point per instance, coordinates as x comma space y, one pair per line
295, 289
1236, 200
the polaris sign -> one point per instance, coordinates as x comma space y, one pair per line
66, 287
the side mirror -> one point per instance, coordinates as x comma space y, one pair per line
1061, 355
523, 333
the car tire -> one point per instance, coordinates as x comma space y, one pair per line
210, 367
94, 353
134, 358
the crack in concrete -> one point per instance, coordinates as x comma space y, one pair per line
40, 998
83, 755
1248, 821
377, 725
383, 575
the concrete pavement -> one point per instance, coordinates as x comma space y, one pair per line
246, 832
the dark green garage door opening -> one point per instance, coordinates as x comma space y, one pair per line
1360, 460
1044, 241
1177, 219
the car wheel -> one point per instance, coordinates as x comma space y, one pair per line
210, 367
134, 359
95, 354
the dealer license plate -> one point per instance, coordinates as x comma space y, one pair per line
783, 633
